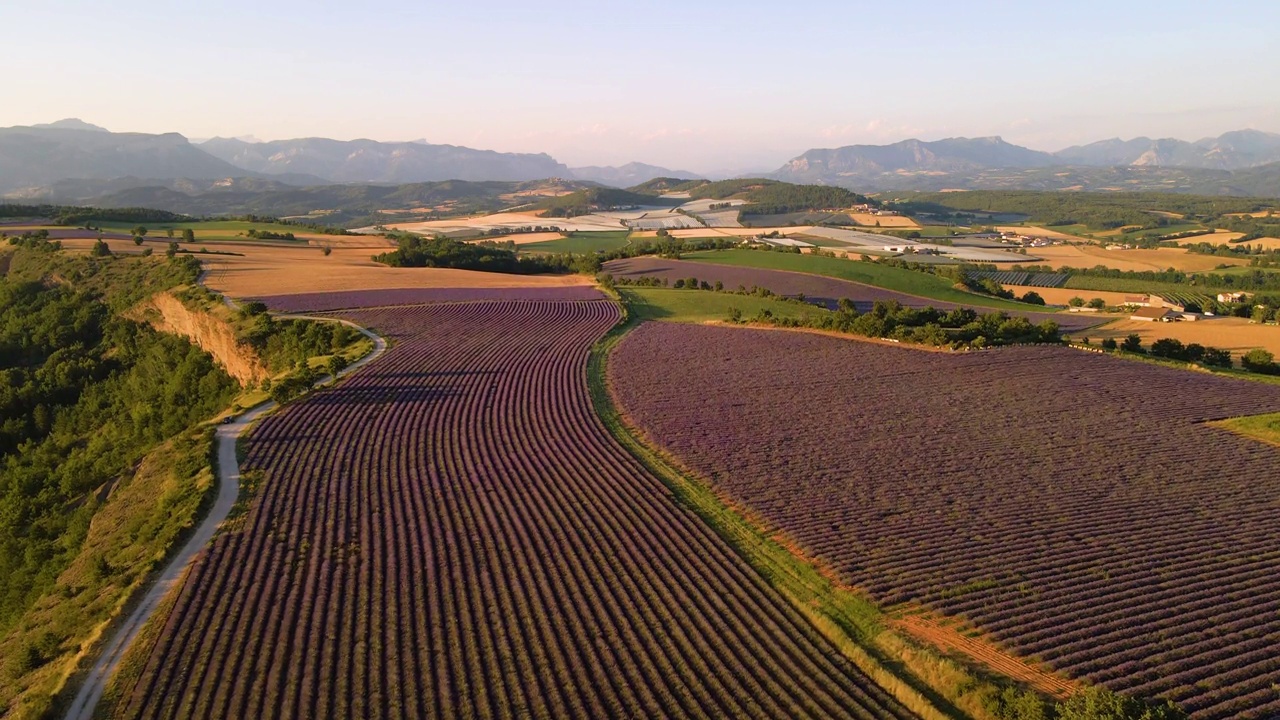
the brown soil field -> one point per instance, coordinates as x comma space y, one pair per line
884, 220
525, 238
346, 241
1039, 232
946, 637
257, 271
1087, 256
1061, 296
1235, 334
262, 270
278, 271
1267, 243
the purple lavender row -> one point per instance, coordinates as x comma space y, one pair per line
352, 299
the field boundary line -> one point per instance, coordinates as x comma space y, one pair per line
95, 681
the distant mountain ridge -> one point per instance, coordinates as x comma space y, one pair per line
75, 160
1235, 150
35, 156
629, 175
347, 161
72, 124
914, 162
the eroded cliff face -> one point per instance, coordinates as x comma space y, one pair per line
166, 313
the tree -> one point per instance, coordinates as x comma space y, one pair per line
1097, 303
137, 240
168, 232
336, 365
1095, 703
1132, 343
1033, 298
100, 249
1169, 348
140, 231
1109, 344
173, 249
188, 235
1259, 360
1216, 357
1076, 302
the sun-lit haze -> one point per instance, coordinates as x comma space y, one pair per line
701, 86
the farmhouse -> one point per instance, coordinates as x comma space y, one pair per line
1231, 297
1155, 314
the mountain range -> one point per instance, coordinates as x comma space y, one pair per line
962, 162
75, 161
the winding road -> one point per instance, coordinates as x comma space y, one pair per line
95, 682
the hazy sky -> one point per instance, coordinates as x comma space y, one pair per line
704, 86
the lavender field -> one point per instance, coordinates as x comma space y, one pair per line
452, 533
826, 291
1073, 506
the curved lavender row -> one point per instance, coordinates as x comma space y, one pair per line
452, 533
816, 288
353, 299
1072, 505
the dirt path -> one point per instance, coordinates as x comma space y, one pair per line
86, 700
949, 639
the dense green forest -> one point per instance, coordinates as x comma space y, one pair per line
440, 252
1100, 211
780, 198
64, 215
659, 186
86, 392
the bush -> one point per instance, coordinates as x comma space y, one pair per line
1169, 348
1095, 703
1260, 361
1215, 357
1132, 343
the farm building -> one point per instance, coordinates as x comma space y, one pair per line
1231, 297
1151, 301
1155, 314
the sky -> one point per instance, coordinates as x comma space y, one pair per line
705, 86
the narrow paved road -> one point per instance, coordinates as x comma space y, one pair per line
86, 700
